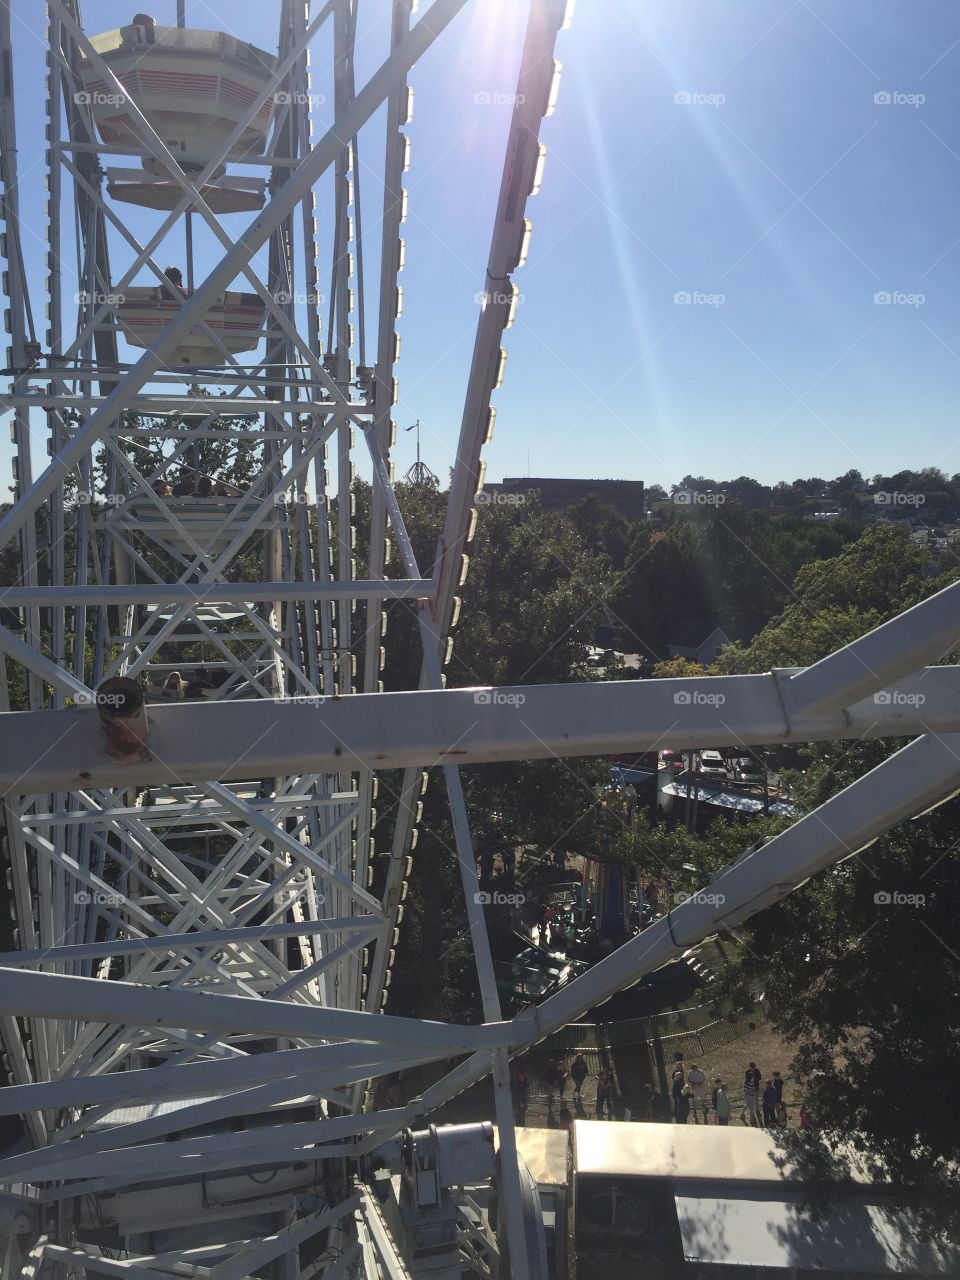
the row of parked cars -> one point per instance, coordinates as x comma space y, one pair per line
725, 767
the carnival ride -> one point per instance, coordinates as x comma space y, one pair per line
194, 995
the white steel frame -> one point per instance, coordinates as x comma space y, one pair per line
243, 977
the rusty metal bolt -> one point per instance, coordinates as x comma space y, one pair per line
123, 715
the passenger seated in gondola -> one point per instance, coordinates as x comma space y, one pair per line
172, 689
175, 276
162, 489
201, 686
184, 488
205, 487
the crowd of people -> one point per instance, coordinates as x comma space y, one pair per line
761, 1107
689, 1095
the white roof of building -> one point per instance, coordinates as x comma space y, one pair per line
689, 1152
847, 1235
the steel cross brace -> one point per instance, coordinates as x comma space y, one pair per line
63, 750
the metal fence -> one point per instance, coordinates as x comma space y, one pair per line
695, 1030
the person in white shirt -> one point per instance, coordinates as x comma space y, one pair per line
697, 1082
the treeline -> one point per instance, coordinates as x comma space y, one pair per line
938, 494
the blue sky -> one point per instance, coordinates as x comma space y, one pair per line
735, 155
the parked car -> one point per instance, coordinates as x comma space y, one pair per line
745, 769
711, 765
677, 760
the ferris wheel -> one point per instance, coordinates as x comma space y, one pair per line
195, 993
192, 542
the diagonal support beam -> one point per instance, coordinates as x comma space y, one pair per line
914, 779
923, 634
54, 995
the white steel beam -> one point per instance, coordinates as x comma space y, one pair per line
53, 995
330, 1067
59, 750
97, 1154
220, 938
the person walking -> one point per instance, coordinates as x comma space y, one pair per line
556, 1076
698, 1083
646, 1103
778, 1085
717, 1085
677, 1090
604, 1092
806, 1120
721, 1105
578, 1073
683, 1106
748, 1113
754, 1076
769, 1106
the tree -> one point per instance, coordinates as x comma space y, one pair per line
837, 600
872, 1033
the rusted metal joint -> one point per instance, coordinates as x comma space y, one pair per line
123, 716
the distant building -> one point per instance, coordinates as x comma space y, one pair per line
698, 642
625, 496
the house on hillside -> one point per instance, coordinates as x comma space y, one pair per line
697, 641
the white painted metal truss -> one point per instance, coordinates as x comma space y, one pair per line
192, 1001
